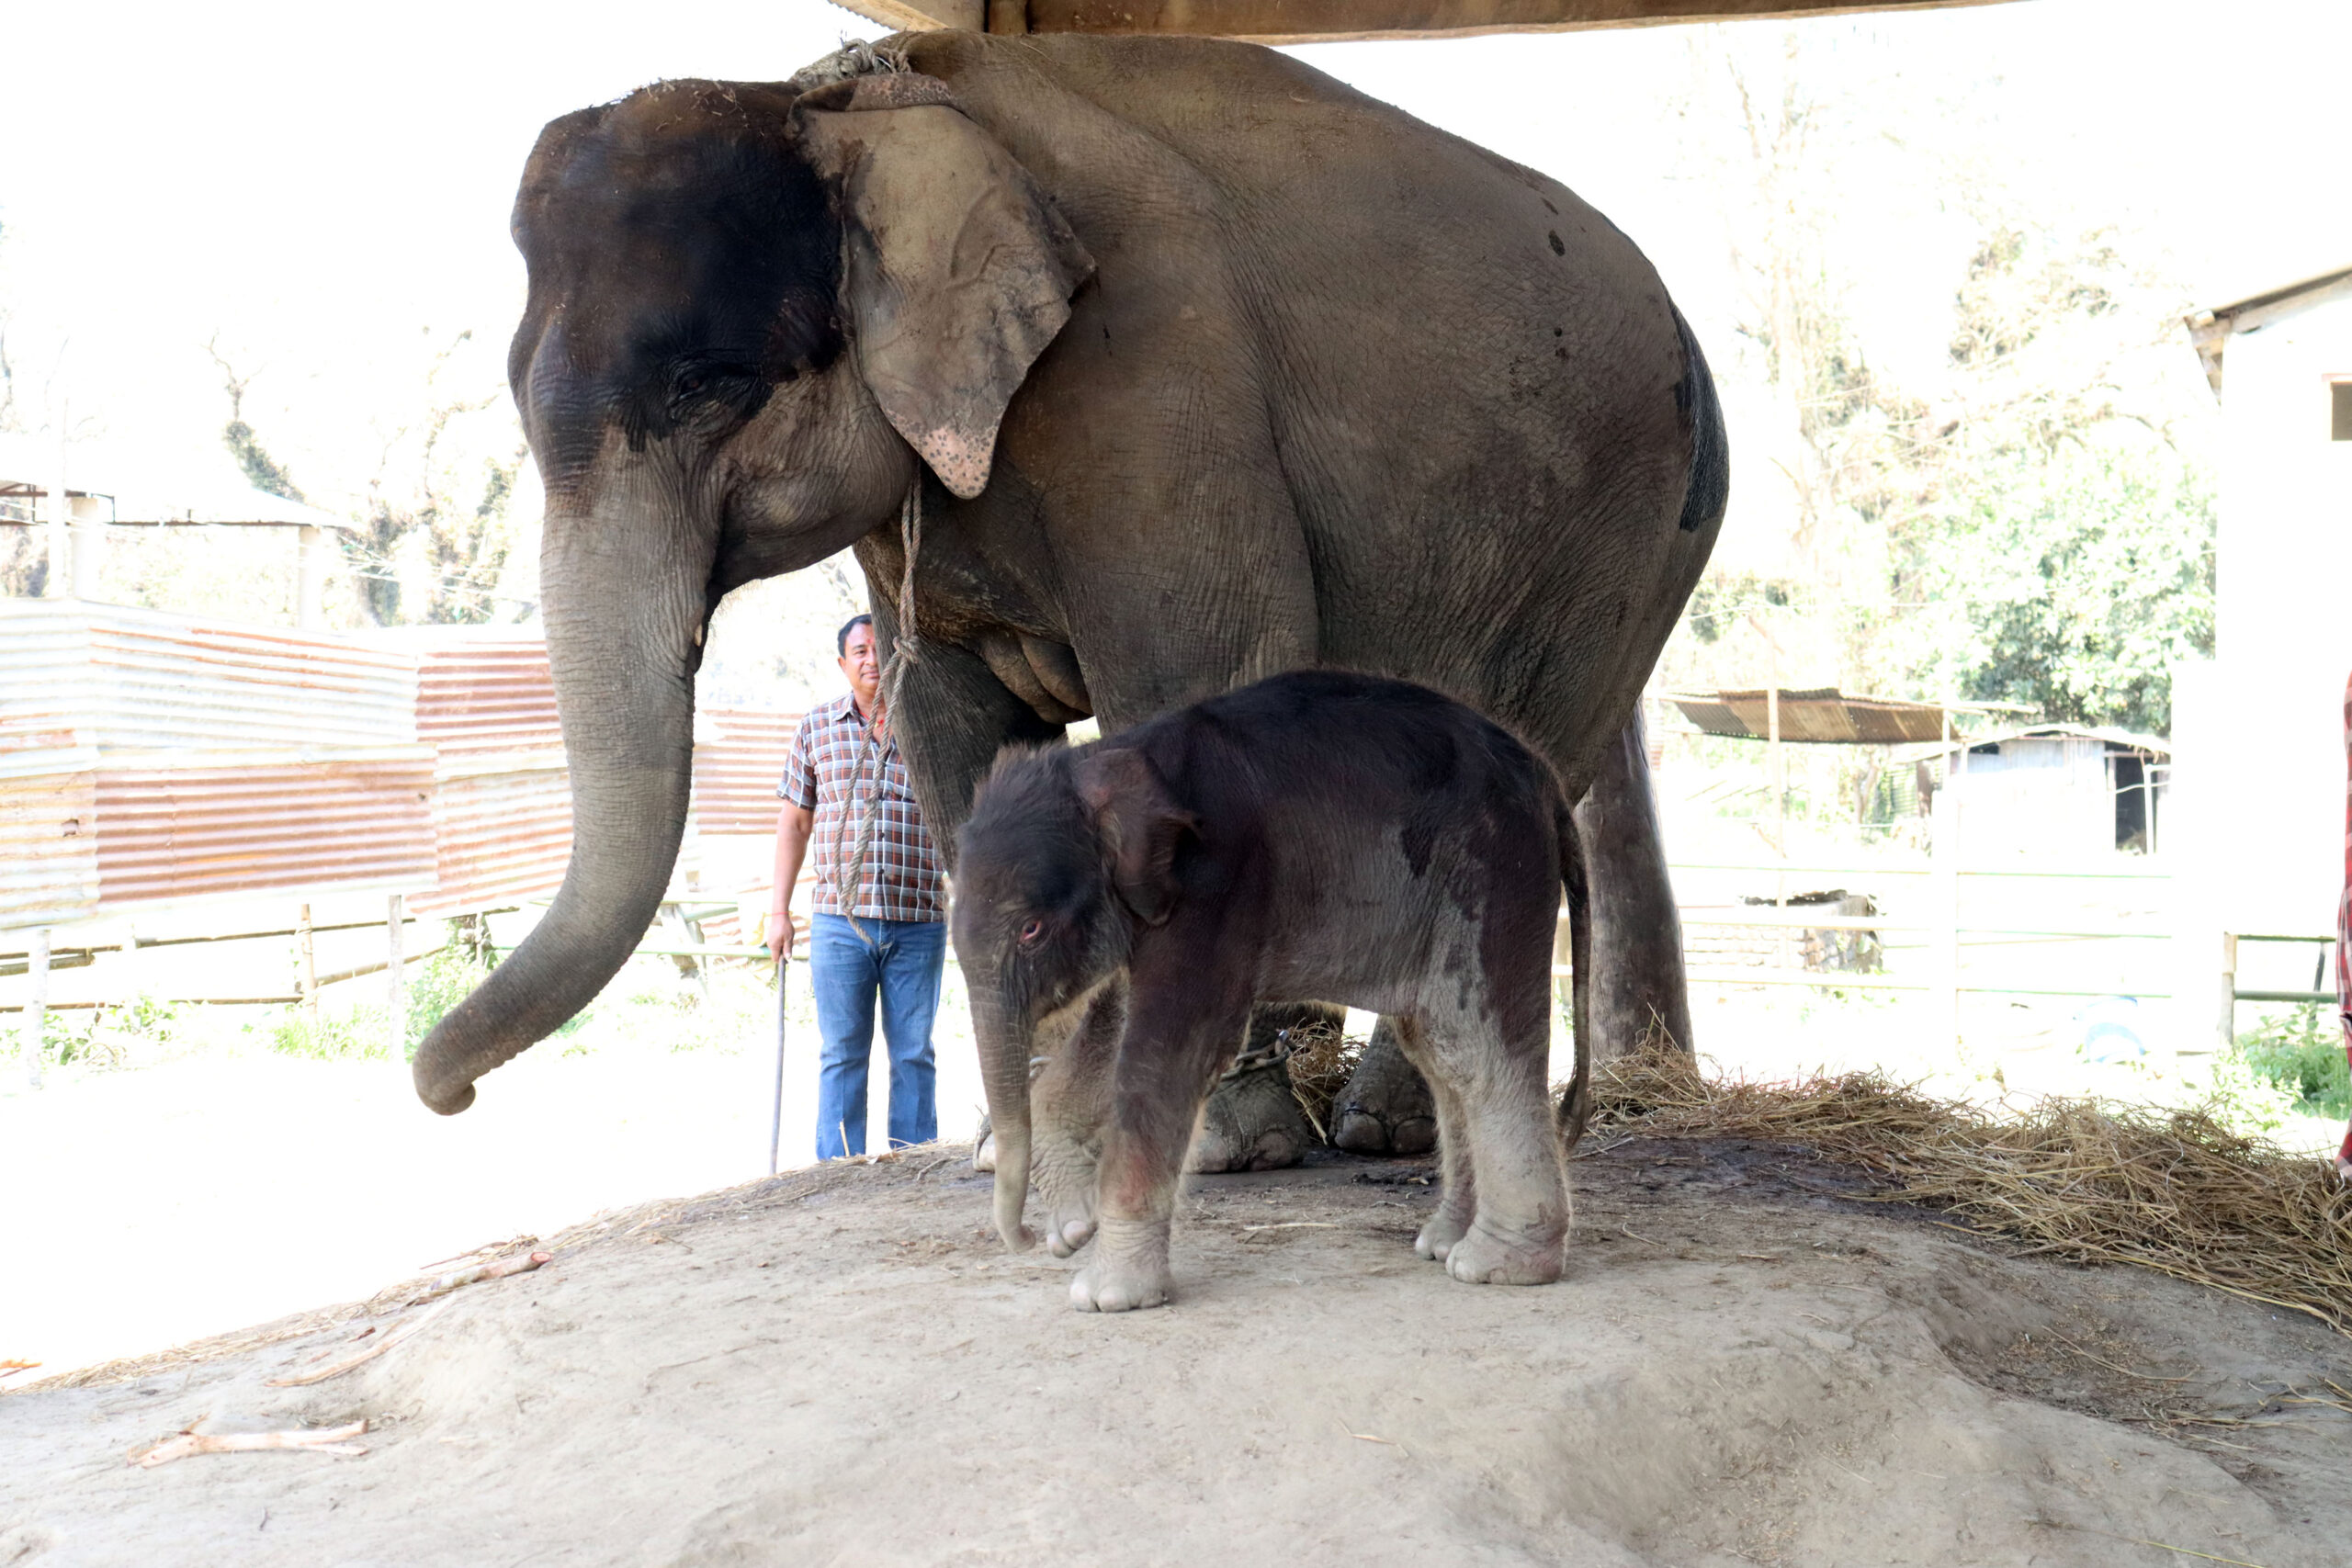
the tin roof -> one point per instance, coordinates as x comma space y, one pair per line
1821, 714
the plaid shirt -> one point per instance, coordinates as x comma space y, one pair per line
901, 878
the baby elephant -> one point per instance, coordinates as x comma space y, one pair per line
1317, 836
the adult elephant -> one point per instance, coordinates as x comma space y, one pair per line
1189, 364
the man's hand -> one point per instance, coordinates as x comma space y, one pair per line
784, 933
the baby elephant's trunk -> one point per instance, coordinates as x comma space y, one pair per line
1004, 1054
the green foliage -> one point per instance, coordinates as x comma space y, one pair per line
264, 472
2077, 579
2301, 1052
352, 1036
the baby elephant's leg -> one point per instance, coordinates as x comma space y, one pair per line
1520, 1231
1520, 1235
1172, 1049
1071, 1100
1458, 1197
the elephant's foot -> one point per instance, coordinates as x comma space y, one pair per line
1386, 1108
1485, 1255
1252, 1122
1128, 1271
1437, 1237
984, 1147
1064, 1175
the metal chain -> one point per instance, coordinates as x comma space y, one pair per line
905, 649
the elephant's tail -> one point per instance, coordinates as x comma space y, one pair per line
1576, 1101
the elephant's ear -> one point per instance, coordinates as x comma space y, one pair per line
957, 270
1140, 827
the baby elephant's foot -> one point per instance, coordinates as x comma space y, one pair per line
1065, 1234
1437, 1237
1482, 1256
1128, 1271
1105, 1286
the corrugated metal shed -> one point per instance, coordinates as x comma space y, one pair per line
142, 681
1820, 714
242, 825
477, 701
49, 849
739, 757
498, 838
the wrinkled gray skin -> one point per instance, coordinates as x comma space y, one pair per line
1636, 997
1318, 834
1209, 366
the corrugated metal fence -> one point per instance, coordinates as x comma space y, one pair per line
150, 759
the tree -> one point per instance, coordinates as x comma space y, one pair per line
2025, 522
265, 473
435, 535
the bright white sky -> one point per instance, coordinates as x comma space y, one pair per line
326, 188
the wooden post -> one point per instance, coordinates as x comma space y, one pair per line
309, 593
1943, 863
35, 1006
61, 531
2226, 1036
396, 984
1780, 785
309, 961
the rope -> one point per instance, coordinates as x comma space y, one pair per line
1279, 1049
905, 649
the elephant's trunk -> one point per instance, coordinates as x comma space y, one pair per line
624, 603
1004, 1062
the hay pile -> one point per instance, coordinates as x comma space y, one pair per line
1326, 1059
2083, 1179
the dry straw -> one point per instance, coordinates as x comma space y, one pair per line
2083, 1179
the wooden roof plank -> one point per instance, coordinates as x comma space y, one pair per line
1328, 21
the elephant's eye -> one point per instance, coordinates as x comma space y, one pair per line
690, 384
1031, 931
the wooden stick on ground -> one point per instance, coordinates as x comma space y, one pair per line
334, 1369
521, 1263
317, 1440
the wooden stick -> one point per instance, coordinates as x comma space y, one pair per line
520, 1263
334, 1369
316, 1440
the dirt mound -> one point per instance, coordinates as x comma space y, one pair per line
1745, 1365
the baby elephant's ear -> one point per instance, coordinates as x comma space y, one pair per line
957, 270
1140, 827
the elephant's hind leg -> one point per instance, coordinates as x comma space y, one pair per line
1520, 1231
1458, 1197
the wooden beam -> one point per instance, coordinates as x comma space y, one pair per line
1305, 21
930, 17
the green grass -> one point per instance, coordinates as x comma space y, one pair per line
2300, 1050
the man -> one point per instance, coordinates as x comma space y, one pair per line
843, 773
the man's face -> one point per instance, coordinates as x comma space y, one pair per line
859, 667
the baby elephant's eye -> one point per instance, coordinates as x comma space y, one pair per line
1032, 930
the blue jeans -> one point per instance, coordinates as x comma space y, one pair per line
900, 962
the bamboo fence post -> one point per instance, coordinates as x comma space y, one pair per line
396, 986
307, 956
36, 1005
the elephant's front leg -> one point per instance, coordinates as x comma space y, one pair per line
1069, 1102
1175, 1045
1386, 1106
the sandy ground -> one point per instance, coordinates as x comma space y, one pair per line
150, 1207
1744, 1366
